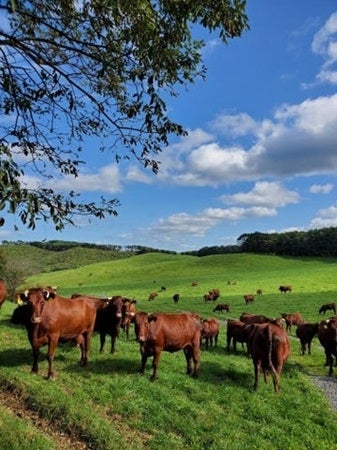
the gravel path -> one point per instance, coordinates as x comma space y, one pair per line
329, 386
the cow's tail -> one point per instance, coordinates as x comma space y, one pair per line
269, 337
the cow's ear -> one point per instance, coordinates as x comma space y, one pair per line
47, 294
134, 301
24, 296
152, 318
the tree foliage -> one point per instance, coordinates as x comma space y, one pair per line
96, 68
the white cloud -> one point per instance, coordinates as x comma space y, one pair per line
325, 218
236, 125
135, 174
321, 188
106, 180
325, 45
269, 194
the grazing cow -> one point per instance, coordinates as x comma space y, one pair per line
153, 295
237, 331
285, 289
210, 329
169, 332
231, 282
249, 298
108, 319
194, 283
56, 318
327, 307
222, 307
259, 291
306, 332
208, 297
269, 348
215, 293
248, 318
327, 335
3, 292
292, 319
176, 298
128, 314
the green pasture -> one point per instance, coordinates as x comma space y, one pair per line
109, 405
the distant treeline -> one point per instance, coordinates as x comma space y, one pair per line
320, 242
60, 246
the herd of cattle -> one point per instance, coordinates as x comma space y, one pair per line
50, 318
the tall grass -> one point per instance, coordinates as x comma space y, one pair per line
109, 405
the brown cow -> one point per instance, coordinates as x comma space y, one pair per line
128, 314
237, 331
327, 307
269, 348
306, 332
249, 298
259, 291
327, 335
56, 318
3, 292
169, 332
292, 319
285, 289
222, 307
248, 318
153, 295
210, 329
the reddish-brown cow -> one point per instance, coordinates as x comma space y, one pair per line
328, 306
129, 311
292, 319
237, 331
248, 318
306, 332
153, 295
221, 307
210, 329
3, 292
169, 332
269, 348
249, 298
57, 318
327, 335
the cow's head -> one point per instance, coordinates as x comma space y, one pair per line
36, 298
142, 325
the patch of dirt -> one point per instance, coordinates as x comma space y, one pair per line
14, 403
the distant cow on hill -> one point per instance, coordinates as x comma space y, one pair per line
285, 289
249, 298
292, 319
221, 307
327, 307
153, 295
259, 291
176, 298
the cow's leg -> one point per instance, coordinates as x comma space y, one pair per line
189, 357
102, 335
257, 368
86, 347
330, 363
36, 352
303, 347
51, 352
309, 347
113, 341
229, 342
155, 363
143, 362
195, 353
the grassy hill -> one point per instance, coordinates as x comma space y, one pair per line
109, 406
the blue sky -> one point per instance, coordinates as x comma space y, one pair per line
261, 154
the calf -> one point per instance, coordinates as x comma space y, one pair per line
237, 331
327, 307
327, 335
292, 319
269, 348
169, 332
56, 318
249, 298
306, 332
210, 330
153, 295
222, 307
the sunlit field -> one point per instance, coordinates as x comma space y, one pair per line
109, 405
